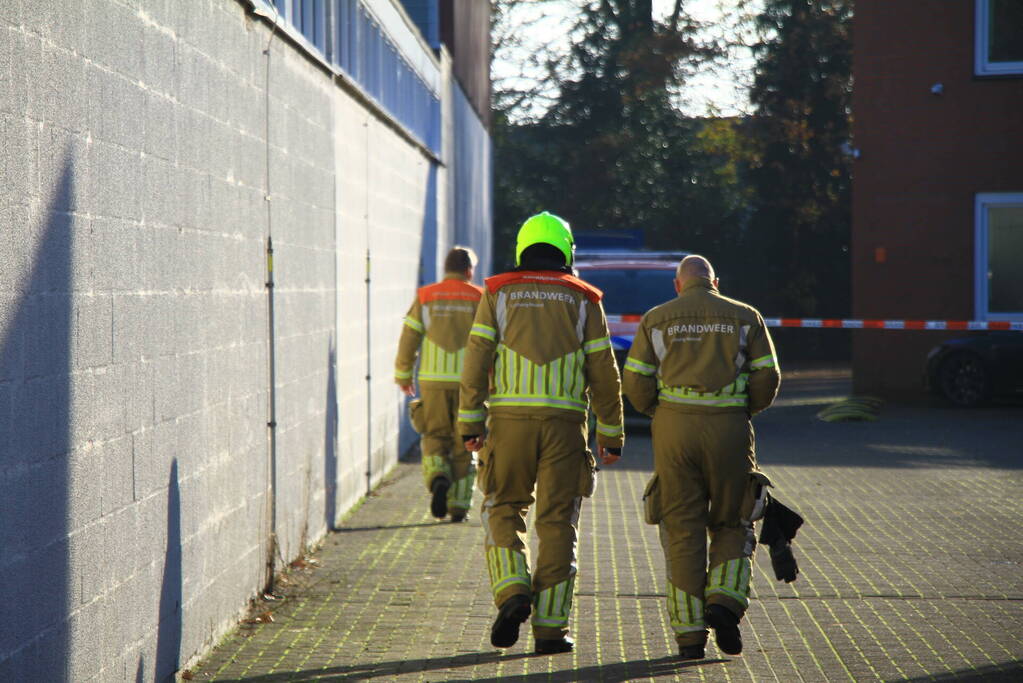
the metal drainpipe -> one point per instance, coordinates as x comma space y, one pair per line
272, 414
369, 383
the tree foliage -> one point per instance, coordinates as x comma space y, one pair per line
800, 169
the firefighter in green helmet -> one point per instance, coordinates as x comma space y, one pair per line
540, 339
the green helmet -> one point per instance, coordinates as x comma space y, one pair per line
545, 228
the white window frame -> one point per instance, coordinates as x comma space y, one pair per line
981, 32
982, 202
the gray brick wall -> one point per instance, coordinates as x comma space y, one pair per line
133, 322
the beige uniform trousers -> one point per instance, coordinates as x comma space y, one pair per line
703, 463
549, 454
443, 453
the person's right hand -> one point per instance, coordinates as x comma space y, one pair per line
475, 444
408, 389
606, 456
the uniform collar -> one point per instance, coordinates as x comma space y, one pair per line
701, 283
456, 276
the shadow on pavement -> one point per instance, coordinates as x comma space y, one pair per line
610, 673
1007, 672
383, 527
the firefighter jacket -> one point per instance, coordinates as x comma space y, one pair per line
544, 336
702, 352
437, 328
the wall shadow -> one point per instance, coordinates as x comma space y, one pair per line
168, 636
330, 442
35, 395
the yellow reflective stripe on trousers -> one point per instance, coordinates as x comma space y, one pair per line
460, 493
438, 365
507, 567
763, 362
731, 578
414, 324
639, 367
685, 611
553, 605
433, 466
520, 382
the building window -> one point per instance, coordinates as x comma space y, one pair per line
999, 38
999, 255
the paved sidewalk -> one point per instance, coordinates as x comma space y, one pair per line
910, 559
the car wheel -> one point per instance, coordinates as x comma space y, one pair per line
963, 380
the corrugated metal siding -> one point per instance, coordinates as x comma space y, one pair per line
425, 14
361, 47
473, 211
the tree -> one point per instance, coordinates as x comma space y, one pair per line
613, 150
799, 174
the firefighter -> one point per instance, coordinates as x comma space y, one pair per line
701, 365
542, 334
437, 329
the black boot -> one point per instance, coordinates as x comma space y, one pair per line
726, 628
514, 611
458, 516
553, 646
439, 504
690, 651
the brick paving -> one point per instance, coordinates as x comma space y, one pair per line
910, 570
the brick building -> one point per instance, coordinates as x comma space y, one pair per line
938, 185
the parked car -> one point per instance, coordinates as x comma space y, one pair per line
968, 371
633, 282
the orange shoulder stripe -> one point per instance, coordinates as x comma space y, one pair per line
544, 277
448, 290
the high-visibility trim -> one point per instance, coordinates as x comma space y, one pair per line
544, 277
414, 324
733, 395
507, 567
731, 578
639, 367
767, 361
460, 493
434, 466
439, 377
403, 374
685, 611
518, 381
551, 606
538, 401
450, 289
485, 331
609, 430
597, 345
471, 415
439, 365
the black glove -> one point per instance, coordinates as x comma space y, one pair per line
614, 451
783, 561
466, 438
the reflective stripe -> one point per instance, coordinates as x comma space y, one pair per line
609, 430
553, 605
471, 416
501, 312
507, 567
580, 326
460, 494
414, 324
439, 377
685, 611
763, 362
657, 341
538, 401
597, 345
403, 374
740, 358
434, 465
639, 367
729, 396
731, 578
486, 331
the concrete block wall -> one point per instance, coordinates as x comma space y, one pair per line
134, 383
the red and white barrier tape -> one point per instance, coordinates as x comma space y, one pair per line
861, 324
